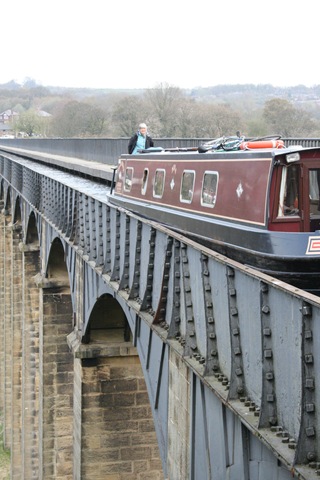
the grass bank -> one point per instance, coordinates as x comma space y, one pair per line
4, 457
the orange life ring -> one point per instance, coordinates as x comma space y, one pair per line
262, 144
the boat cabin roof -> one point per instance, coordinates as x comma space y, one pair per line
184, 154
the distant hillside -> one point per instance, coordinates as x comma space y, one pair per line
202, 112
262, 89
242, 98
257, 95
225, 92
77, 92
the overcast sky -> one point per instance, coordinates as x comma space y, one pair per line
129, 44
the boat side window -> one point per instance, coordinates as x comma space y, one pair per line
314, 191
128, 179
209, 189
289, 191
144, 181
187, 186
158, 184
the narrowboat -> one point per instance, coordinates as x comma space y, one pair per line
256, 203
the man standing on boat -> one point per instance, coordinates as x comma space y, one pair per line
140, 140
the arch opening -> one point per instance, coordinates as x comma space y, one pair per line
107, 322
32, 231
7, 206
56, 268
17, 212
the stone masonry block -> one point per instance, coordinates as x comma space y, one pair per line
142, 398
101, 456
122, 439
120, 425
122, 399
118, 414
148, 438
146, 425
117, 467
141, 412
119, 386
135, 453
125, 371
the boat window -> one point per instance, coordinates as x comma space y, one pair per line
314, 199
128, 179
158, 185
144, 181
314, 187
289, 191
209, 189
187, 185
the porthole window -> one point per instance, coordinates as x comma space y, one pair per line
158, 185
144, 181
209, 189
187, 186
128, 179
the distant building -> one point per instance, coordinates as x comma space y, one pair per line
8, 115
42, 113
7, 119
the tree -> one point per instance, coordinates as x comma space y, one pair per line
78, 119
29, 122
216, 120
126, 115
185, 118
284, 119
169, 111
163, 104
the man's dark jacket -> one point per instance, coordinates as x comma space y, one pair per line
133, 141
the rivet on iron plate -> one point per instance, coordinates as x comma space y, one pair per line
308, 335
308, 358
310, 383
311, 456
310, 407
306, 310
230, 272
310, 432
